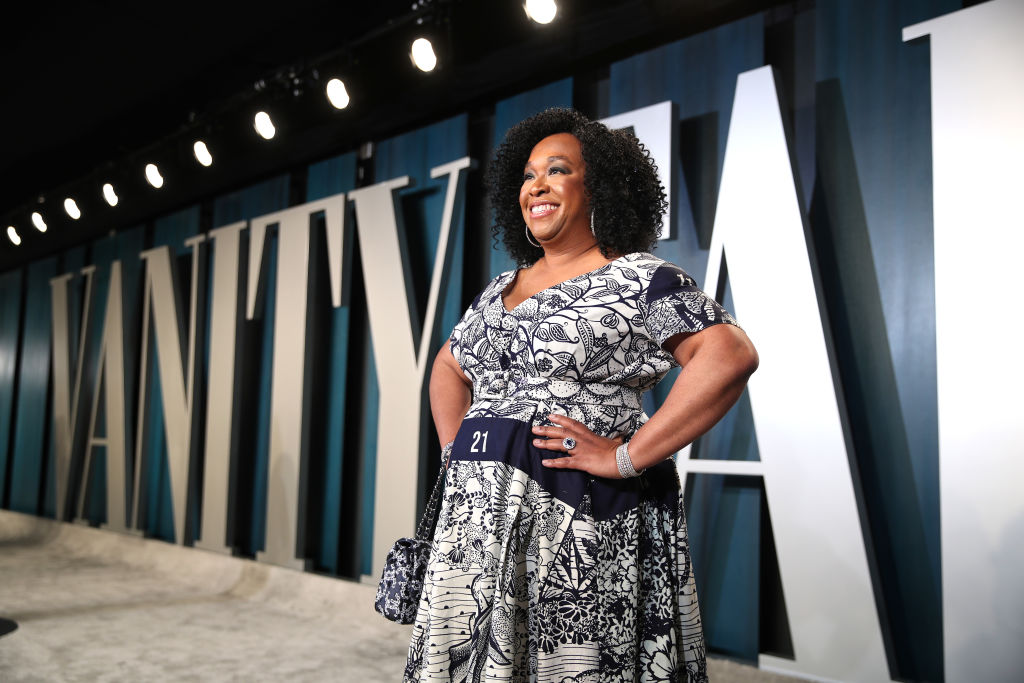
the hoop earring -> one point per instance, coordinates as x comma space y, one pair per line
528, 239
592, 231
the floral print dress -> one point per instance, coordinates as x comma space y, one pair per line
539, 574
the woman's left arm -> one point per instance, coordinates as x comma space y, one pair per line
716, 363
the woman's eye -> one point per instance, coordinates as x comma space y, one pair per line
555, 169
527, 176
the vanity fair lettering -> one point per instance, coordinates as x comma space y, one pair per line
89, 380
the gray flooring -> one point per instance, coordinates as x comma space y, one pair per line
93, 605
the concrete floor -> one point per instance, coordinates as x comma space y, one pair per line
93, 605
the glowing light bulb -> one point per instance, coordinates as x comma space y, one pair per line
202, 153
541, 11
37, 220
423, 55
109, 194
72, 208
13, 235
264, 126
337, 94
153, 176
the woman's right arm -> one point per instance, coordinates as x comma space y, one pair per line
451, 393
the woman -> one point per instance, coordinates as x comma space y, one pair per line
560, 552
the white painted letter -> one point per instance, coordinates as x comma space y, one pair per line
162, 304
977, 57
225, 317
401, 356
65, 394
655, 127
289, 404
833, 619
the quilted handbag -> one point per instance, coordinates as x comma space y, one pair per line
401, 583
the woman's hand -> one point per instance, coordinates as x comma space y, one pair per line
592, 453
716, 363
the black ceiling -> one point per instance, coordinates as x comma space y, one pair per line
94, 89
95, 80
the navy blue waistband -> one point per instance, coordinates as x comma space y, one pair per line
511, 441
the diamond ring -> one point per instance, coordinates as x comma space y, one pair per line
568, 443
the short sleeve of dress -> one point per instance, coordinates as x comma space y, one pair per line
455, 338
676, 305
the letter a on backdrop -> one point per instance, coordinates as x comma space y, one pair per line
759, 231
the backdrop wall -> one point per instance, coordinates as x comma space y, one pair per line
291, 446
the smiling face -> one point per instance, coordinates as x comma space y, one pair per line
552, 197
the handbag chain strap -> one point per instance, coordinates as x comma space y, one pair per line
429, 519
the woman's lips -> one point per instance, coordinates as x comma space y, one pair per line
540, 210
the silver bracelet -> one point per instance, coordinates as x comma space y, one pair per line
625, 465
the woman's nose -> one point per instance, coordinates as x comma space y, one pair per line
538, 186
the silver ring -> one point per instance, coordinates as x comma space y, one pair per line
568, 443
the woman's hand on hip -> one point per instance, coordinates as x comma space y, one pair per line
589, 452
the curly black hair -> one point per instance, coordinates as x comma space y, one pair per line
620, 182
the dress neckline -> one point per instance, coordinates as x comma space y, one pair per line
515, 276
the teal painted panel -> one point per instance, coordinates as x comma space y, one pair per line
10, 333
323, 180
256, 200
508, 113
729, 565
331, 176
32, 417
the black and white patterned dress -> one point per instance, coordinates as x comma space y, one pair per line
556, 575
